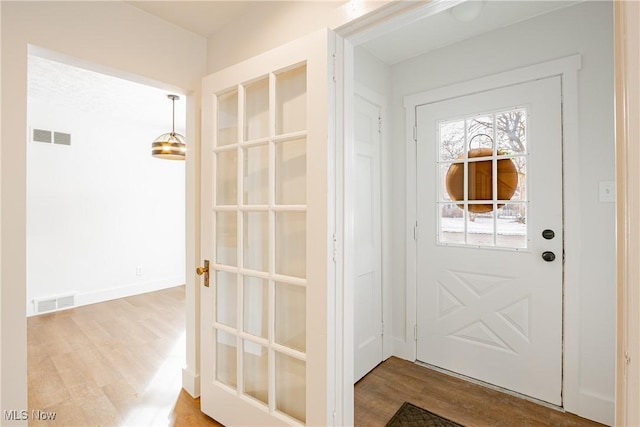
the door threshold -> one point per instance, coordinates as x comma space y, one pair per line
491, 386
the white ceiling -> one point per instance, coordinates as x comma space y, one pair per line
443, 29
200, 17
54, 84
206, 17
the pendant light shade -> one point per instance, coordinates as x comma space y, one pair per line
170, 146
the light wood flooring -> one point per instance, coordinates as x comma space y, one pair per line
119, 363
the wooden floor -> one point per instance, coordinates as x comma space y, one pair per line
381, 392
119, 363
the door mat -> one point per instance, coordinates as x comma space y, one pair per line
410, 415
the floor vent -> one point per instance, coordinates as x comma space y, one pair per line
52, 304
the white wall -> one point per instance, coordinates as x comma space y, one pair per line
104, 219
115, 36
585, 29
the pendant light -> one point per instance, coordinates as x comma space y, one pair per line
170, 146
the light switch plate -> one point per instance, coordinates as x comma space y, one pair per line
607, 193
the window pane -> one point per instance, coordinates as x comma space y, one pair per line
291, 172
256, 306
256, 120
226, 298
512, 226
256, 175
448, 187
291, 316
226, 364
255, 369
291, 243
451, 137
226, 240
291, 101
451, 224
291, 391
480, 185
480, 132
227, 178
511, 127
479, 228
520, 164
227, 118
256, 241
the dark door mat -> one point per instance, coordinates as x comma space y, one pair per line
410, 415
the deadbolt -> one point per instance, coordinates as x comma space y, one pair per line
548, 234
204, 271
548, 256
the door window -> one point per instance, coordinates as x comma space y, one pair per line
489, 208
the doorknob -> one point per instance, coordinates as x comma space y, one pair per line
204, 270
548, 256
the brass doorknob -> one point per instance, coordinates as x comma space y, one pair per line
204, 271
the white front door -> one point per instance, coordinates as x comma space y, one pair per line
266, 191
368, 250
490, 252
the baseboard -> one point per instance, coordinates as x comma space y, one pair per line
404, 349
191, 382
597, 408
109, 294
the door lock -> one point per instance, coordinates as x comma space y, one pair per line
548, 256
204, 271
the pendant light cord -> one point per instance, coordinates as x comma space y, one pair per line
173, 116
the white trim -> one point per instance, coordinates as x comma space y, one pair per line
567, 68
191, 382
627, 94
345, 226
388, 17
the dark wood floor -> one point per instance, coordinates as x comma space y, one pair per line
379, 395
119, 363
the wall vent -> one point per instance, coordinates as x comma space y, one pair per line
62, 138
41, 135
51, 304
50, 137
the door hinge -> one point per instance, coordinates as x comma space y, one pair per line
627, 358
415, 332
379, 124
415, 232
382, 329
335, 247
415, 134
333, 70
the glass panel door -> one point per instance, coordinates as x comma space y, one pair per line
260, 268
266, 192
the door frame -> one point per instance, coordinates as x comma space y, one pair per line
567, 68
